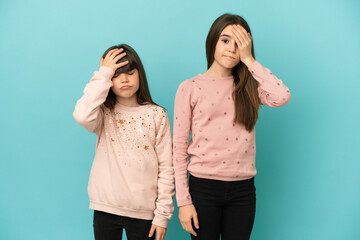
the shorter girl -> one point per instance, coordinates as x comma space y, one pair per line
131, 183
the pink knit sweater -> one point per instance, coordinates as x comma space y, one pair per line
219, 148
132, 173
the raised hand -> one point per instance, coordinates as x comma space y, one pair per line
244, 43
111, 59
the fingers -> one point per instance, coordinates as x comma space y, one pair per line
152, 230
113, 53
122, 64
238, 36
196, 222
160, 235
120, 56
189, 228
241, 35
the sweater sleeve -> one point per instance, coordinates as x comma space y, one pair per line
272, 91
88, 112
182, 127
163, 147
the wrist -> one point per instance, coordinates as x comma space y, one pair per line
248, 61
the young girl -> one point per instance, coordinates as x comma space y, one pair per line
131, 183
220, 109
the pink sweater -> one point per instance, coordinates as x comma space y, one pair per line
219, 148
132, 173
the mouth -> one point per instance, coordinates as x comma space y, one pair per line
229, 57
125, 87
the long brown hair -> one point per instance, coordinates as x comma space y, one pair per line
143, 93
245, 94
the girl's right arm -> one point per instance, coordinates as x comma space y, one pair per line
182, 125
88, 112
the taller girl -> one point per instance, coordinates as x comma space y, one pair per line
220, 109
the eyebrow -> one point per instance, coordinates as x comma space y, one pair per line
225, 35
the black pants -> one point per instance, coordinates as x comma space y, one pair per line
110, 227
224, 208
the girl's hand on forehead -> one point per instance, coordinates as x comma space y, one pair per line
112, 57
243, 41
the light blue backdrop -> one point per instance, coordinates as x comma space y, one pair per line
308, 151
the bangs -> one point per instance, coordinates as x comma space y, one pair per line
132, 64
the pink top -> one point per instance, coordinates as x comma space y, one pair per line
219, 148
132, 173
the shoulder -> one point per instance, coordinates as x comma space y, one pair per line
190, 83
157, 110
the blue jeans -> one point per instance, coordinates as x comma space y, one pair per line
110, 227
225, 208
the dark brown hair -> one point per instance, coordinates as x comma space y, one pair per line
245, 94
143, 93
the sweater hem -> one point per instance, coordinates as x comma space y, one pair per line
207, 176
139, 214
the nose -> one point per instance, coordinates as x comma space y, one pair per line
124, 78
232, 47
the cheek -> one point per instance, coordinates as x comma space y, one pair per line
135, 81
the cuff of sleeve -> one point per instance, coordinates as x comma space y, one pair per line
184, 203
107, 72
254, 67
161, 222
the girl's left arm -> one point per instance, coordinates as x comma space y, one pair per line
166, 188
272, 91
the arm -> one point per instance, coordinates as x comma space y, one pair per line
272, 91
166, 190
88, 112
182, 127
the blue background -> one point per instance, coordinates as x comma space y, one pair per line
307, 152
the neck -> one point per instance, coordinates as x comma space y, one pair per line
216, 70
129, 102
